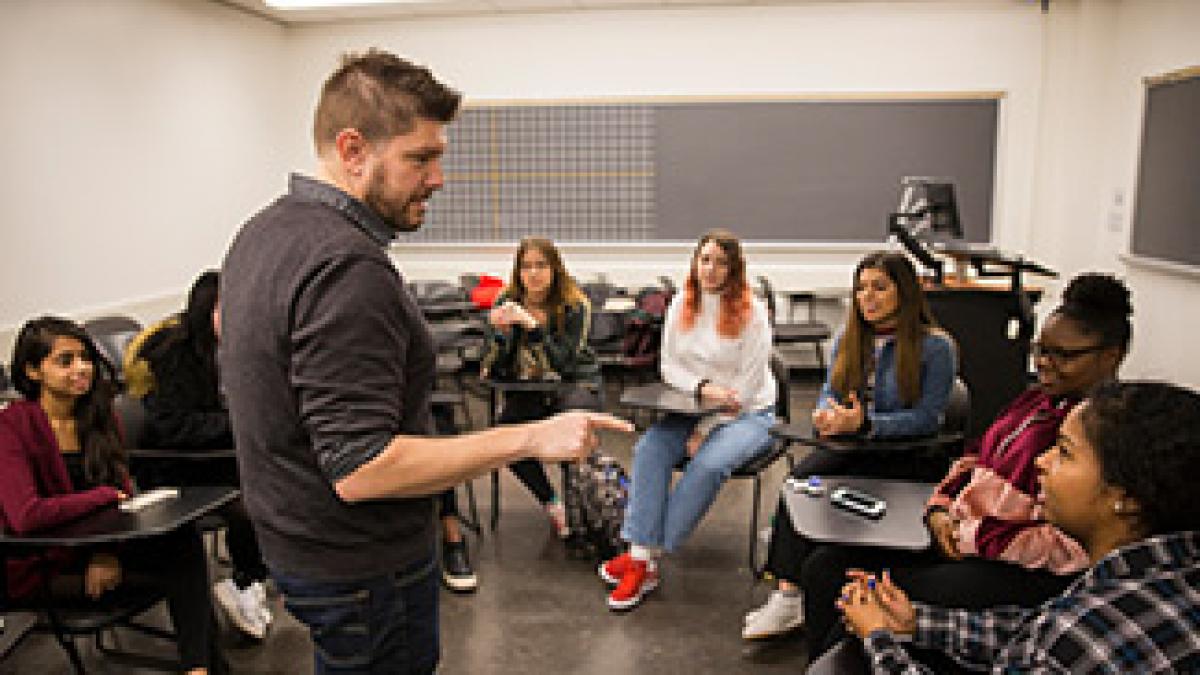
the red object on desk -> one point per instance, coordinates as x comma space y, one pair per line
485, 293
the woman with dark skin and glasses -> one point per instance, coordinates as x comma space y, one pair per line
61, 457
1120, 480
991, 543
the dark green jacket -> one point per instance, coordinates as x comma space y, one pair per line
561, 346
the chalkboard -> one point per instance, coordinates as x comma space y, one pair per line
788, 170
1166, 215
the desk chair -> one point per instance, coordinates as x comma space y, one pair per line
628, 342
67, 619
844, 658
808, 332
496, 390
145, 465
754, 469
445, 403
112, 335
929, 456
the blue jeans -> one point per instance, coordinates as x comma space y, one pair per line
384, 624
661, 517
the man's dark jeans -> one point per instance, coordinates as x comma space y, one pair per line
386, 624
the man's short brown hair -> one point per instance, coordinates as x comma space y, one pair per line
381, 95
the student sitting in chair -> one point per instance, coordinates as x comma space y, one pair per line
892, 349
538, 330
61, 457
717, 344
1120, 479
991, 543
172, 366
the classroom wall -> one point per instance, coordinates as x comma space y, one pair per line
743, 51
138, 136
169, 121
1096, 54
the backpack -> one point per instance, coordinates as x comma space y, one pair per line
643, 329
595, 495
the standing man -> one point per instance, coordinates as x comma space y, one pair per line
328, 366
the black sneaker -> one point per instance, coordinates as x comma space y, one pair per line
456, 568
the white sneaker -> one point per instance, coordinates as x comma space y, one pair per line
258, 591
241, 608
780, 614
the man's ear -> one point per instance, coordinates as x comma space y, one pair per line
32, 373
351, 149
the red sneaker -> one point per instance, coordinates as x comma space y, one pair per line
612, 571
639, 579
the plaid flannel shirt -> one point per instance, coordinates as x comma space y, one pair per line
1136, 611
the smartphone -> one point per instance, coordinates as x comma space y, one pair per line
857, 502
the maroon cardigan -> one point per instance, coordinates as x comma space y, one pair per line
992, 490
35, 489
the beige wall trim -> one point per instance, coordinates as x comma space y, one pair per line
748, 98
1159, 265
1171, 77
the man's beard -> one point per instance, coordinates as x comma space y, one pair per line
390, 211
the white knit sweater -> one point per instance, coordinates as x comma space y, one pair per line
741, 363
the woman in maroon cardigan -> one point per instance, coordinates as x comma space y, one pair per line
991, 544
60, 458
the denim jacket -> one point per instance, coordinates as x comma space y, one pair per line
889, 417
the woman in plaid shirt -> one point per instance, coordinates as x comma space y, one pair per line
1119, 480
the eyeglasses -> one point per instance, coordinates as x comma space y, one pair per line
1060, 354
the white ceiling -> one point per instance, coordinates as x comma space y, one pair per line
419, 8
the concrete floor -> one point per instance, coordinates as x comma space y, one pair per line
539, 610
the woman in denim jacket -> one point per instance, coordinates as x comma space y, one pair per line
892, 367
891, 376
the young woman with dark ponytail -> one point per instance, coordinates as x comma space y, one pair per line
172, 367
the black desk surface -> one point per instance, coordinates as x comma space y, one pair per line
111, 525
664, 398
442, 307
178, 454
527, 385
900, 527
802, 432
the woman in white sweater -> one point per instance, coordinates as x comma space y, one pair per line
716, 345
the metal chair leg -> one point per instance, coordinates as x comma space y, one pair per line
471, 521
754, 571
495, 499
65, 641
